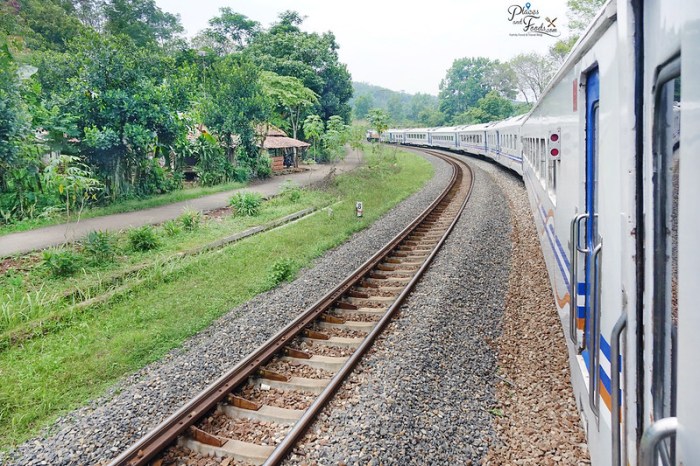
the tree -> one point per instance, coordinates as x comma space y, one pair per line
13, 118
491, 107
379, 120
395, 109
39, 24
235, 105
309, 57
362, 105
313, 129
125, 110
561, 49
228, 33
290, 97
470, 79
533, 72
142, 20
582, 12
421, 103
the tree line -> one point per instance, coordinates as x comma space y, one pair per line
479, 90
102, 100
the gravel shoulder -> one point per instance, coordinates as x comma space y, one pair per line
98, 432
540, 423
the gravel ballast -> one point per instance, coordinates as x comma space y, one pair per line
104, 428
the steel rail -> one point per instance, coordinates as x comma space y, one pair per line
284, 447
145, 449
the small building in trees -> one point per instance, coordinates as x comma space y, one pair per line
284, 152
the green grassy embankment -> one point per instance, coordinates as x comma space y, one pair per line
77, 360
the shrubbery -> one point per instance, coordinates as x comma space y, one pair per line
190, 219
281, 271
246, 203
100, 246
144, 238
62, 262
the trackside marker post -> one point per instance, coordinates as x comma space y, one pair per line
358, 208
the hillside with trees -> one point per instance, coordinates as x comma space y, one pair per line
105, 100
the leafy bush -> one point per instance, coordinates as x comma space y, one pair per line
213, 167
100, 246
240, 174
172, 228
264, 167
190, 219
291, 191
246, 203
62, 262
143, 238
281, 271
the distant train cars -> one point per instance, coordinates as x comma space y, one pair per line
609, 157
372, 136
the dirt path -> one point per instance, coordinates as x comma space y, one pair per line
27, 241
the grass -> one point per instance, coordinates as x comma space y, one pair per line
121, 207
62, 370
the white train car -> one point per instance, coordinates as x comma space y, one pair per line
443, 137
618, 226
394, 136
417, 137
472, 138
577, 109
504, 143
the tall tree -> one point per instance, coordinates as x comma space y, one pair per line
39, 24
290, 97
310, 57
142, 20
533, 72
235, 105
227, 33
124, 107
470, 79
582, 12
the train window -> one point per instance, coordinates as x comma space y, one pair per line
666, 160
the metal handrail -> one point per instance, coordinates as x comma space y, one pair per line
593, 399
615, 353
653, 435
575, 230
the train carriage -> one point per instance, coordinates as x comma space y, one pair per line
506, 148
444, 137
472, 139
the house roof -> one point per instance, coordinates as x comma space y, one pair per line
282, 142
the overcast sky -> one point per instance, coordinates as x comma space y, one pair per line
404, 46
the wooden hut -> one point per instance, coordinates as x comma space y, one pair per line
284, 152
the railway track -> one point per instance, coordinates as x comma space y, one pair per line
256, 412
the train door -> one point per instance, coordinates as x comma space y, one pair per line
666, 279
586, 252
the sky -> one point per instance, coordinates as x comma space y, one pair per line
403, 46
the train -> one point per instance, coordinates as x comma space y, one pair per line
609, 158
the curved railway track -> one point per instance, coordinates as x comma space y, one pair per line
280, 387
